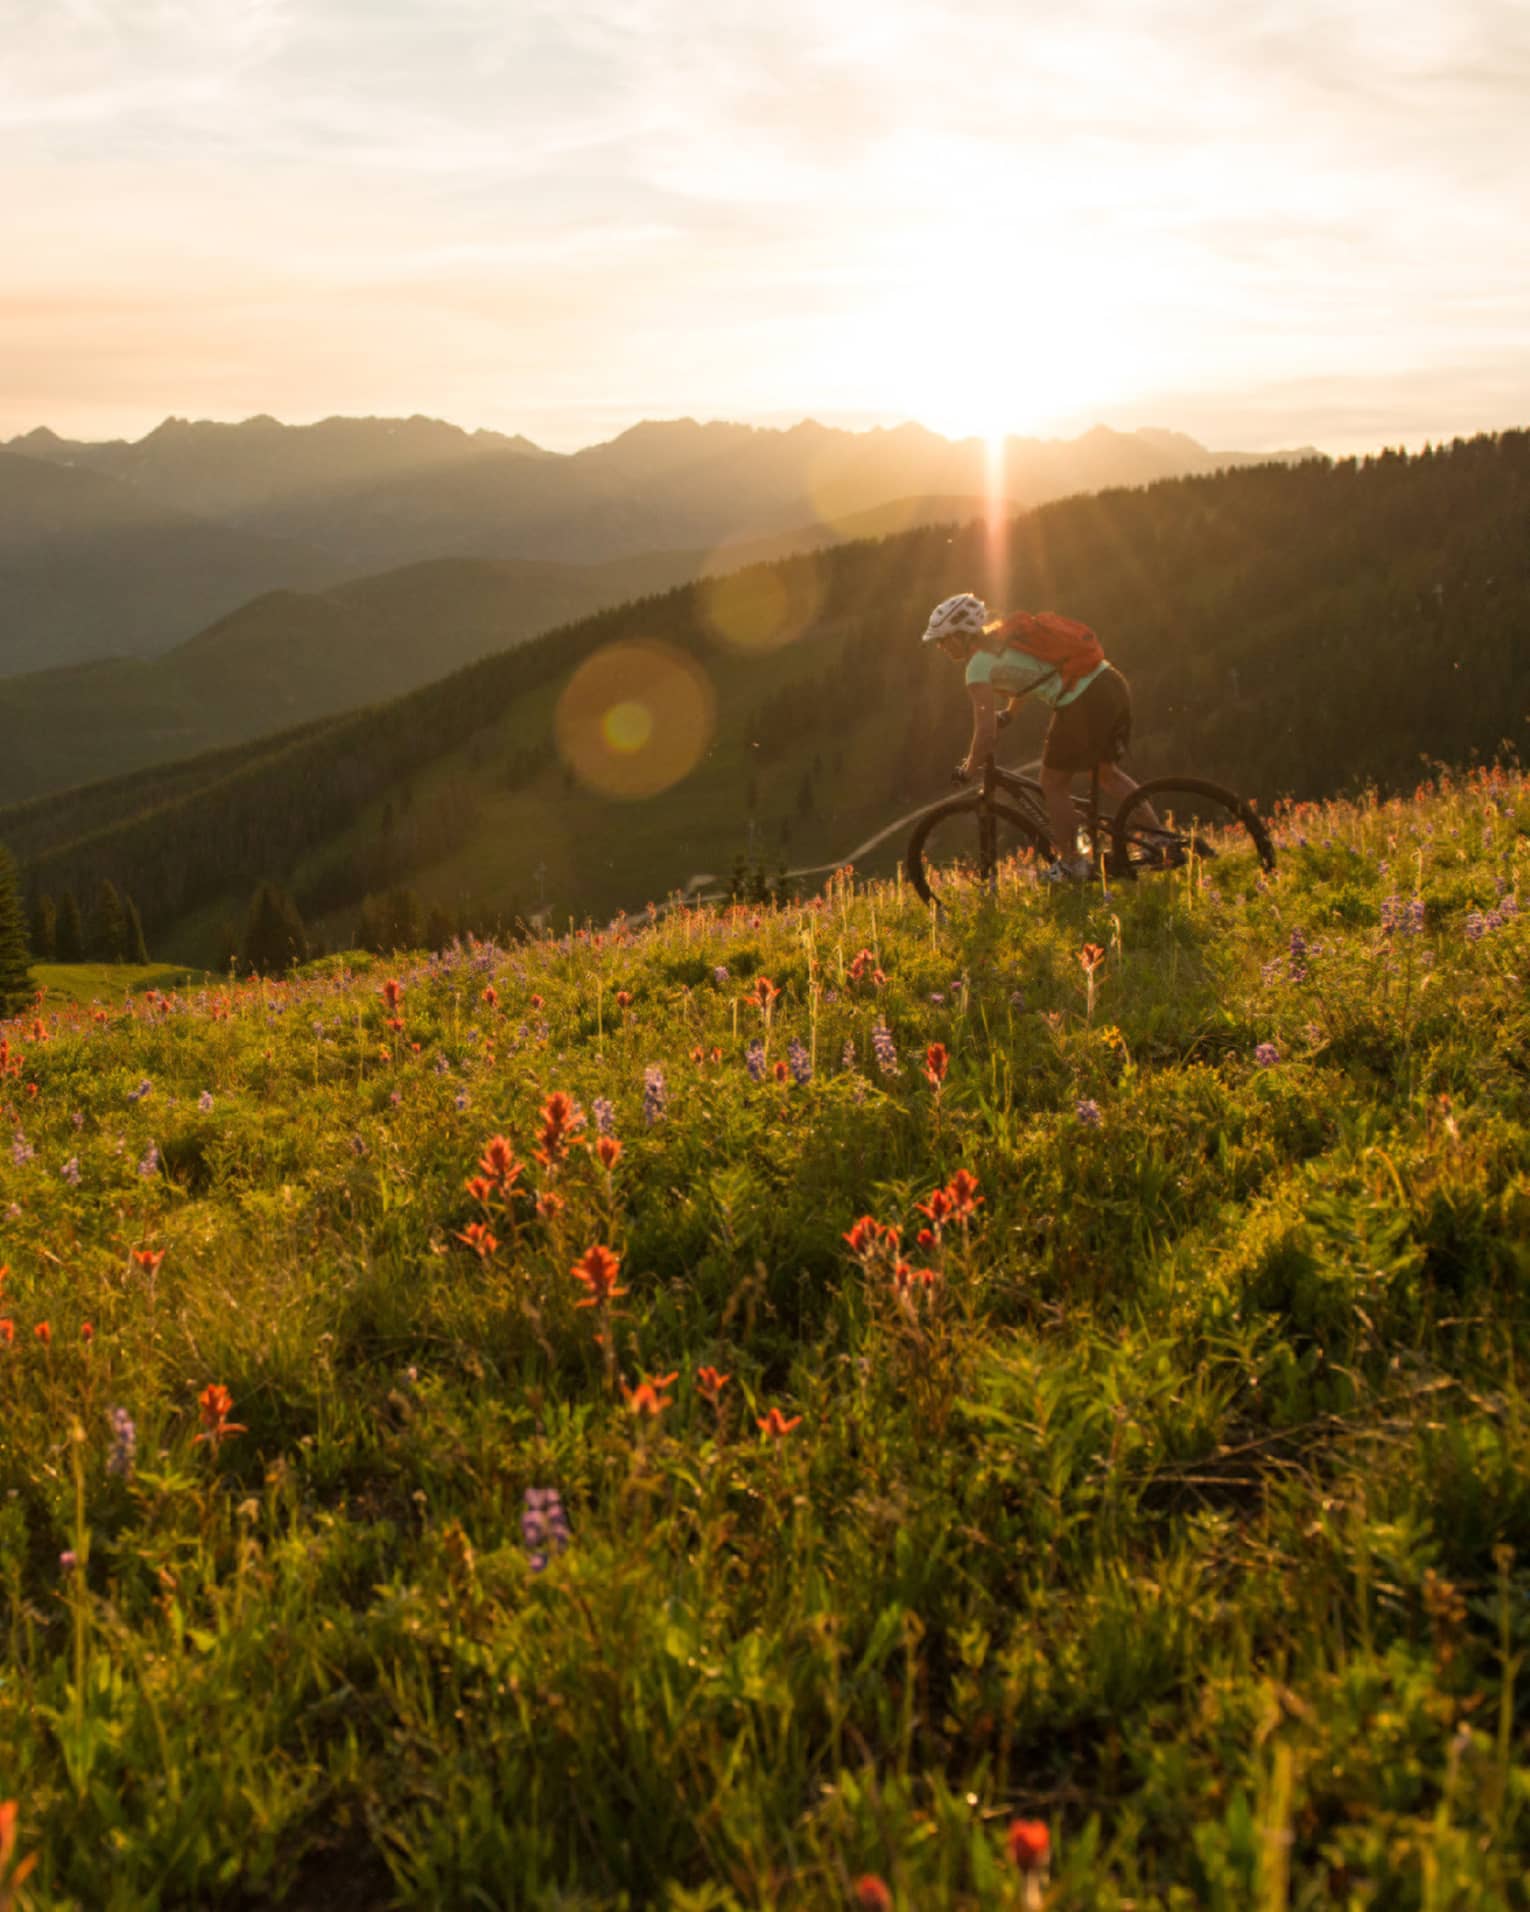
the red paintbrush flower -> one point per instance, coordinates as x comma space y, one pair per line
499, 1164
712, 1384
777, 1426
963, 1190
561, 1120
648, 1397
863, 1237
1030, 1843
478, 1238
597, 1270
217, 1404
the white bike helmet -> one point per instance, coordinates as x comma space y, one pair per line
961, 616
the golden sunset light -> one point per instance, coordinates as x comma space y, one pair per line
764, 916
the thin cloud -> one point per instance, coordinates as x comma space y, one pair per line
646, 202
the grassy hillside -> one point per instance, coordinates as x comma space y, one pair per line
1286, 630
1156, 1494
289, 656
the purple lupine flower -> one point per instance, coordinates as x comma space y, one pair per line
604, 1112
460, 1101
124, 1443
847, 1054
754, 1060
71, 1171
1475, 926
1017, 999
1296, 965
205, 1101
655, 1095
1266, 1055
544, 1526
78, 1118
148, 1163
441, 1065
1088, 1112
146, 1087
720, 974
886, 1053
1270, 972
1400, 918
21, 1150
799, 1064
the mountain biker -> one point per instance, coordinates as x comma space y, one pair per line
1091, 709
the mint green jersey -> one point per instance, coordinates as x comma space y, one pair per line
1015, 673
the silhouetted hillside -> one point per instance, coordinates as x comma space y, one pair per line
90, 567
289, 656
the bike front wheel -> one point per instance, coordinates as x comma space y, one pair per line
1196, 821
963, 846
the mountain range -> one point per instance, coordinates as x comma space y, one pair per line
128, 548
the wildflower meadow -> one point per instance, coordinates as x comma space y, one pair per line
820, 1405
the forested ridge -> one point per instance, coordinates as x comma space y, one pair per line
1290, 629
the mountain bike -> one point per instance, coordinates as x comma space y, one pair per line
1165, 824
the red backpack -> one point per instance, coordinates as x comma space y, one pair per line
1070, 648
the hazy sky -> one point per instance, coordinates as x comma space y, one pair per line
1264, 225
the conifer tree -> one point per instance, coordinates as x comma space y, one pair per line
274, 936
45, 930
134, 948
226, 947
108, 926
439, 928
70, 940
15, 978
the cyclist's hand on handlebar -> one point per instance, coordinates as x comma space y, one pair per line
1003, 719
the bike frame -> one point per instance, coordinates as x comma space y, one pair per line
1033, 800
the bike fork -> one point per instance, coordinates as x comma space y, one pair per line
988, 833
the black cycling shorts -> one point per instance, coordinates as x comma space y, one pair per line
1095, 728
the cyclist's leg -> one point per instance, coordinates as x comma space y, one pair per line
1116, 786
1057, 788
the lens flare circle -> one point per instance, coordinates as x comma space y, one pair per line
762, 607
628, 726
635, 718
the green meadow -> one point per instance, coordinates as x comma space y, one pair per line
809, 1406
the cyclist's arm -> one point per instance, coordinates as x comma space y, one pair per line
985, 725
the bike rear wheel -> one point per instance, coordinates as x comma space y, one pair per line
958, 846
1199, 821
